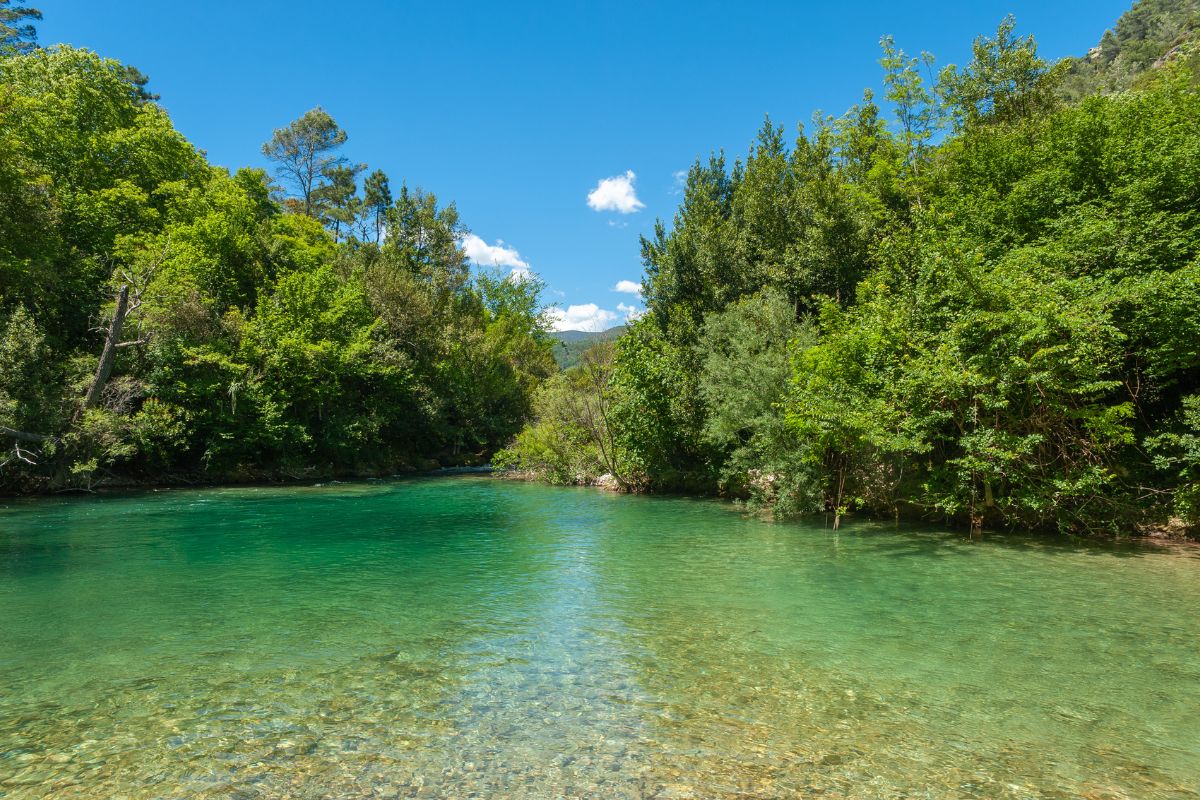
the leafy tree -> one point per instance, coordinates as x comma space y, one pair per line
1176, 452
658, 412
748, 350
30, 381
1005, 81
87, 163
304, 153
571, 438
916, 107
139, 80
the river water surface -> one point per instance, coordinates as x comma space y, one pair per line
471, 637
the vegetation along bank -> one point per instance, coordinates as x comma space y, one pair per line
977, 301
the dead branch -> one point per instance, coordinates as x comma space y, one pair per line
129, 300
24, 436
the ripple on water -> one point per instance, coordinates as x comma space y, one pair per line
470, 637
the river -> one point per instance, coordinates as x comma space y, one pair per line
469, 636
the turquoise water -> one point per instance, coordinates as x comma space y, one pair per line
459, 637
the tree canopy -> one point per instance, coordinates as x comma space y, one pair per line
163, 317
982, 311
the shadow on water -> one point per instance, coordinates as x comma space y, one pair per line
920, 540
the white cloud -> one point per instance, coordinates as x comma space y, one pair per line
680, 181
615, 194
628, 287
632, 313
493, 255
585, 317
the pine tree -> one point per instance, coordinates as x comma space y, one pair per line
304, 152
17, 33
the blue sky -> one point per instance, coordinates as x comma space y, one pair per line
517, 111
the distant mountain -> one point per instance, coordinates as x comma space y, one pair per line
1149, 35
570, 345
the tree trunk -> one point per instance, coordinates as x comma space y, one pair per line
841, 490
22, 436
109, 355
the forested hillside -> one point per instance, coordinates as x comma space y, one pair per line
984, 309
569, 346
163, 319
1152, 34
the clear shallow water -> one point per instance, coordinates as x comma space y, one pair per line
461, 637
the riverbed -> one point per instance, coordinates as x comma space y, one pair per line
472, 637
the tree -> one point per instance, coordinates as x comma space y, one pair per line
337, 198
377, 198
17, 33
304, 153
83, 163
572, 436
424, 239
139, 80
747, 351
914, 104
29, 387
1004, 82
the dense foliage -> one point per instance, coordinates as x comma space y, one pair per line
1152, 34
986, 311
163, 318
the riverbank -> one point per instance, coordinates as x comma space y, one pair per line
1170, 530
254, 477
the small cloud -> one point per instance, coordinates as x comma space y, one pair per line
628, 287
520, 274
632, 313
492, 255
586, 317
612, 223
679, 181
615, 194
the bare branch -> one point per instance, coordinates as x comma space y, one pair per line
23, 436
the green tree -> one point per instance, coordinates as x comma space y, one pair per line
86, 164
337, 197
1176, 454
1005, 81
30, 385
304, 152
571, 438
17, 31
748, 351
377, 198
915, 105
